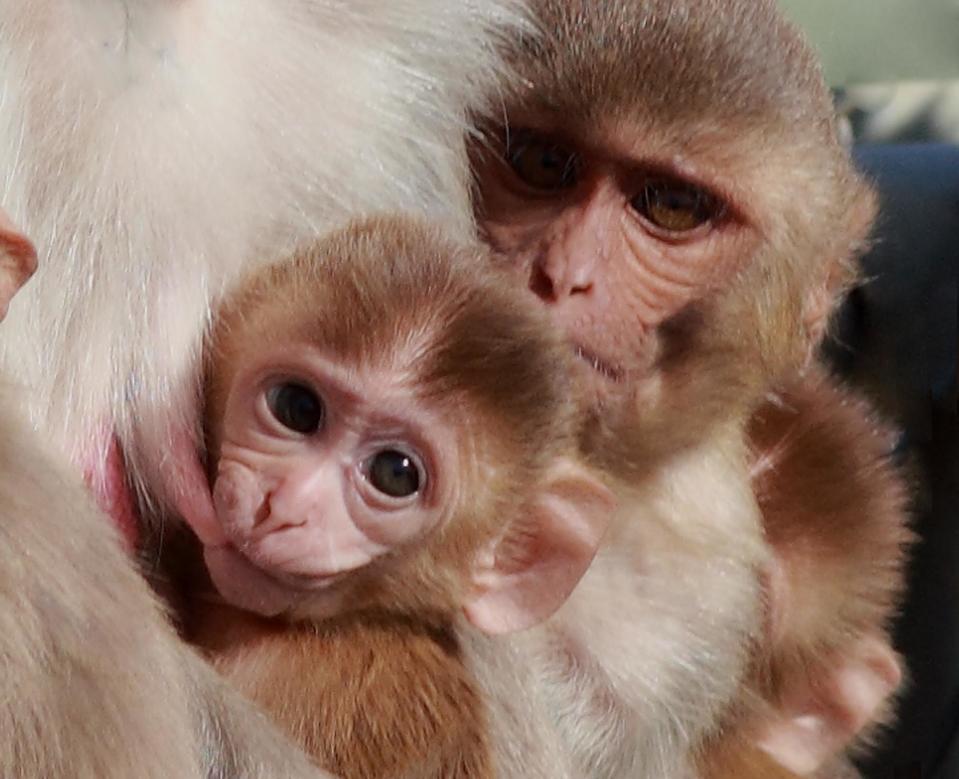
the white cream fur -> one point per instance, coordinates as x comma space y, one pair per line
664, 618
155, 149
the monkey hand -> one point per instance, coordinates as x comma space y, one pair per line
818, 721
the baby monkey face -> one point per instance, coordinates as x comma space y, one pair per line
323, 469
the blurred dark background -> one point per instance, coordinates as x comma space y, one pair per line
897, 338
894, 65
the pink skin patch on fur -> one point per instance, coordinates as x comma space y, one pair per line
107, 481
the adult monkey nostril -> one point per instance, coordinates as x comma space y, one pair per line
541, 285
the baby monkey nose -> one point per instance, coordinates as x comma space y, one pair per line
276, 513
294, 502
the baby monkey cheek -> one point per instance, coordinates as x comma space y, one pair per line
238, 496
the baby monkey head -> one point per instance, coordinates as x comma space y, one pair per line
390, 423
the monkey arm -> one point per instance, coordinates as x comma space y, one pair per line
95, 684
835, 514
370, 695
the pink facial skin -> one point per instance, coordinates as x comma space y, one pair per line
579, 225
299, 509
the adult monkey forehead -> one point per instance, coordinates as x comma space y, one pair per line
673, 168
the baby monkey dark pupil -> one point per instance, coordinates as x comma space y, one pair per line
296, 407
395, 474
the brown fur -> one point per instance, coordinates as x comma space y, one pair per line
395, 292
835, 510
369, 695
732, 90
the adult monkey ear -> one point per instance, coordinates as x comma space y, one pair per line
525, 575
18, 261
841, 271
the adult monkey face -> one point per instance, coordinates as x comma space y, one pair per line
614, 244
677, 198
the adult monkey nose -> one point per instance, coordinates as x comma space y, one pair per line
572, 256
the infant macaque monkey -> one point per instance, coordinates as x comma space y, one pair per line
391, 437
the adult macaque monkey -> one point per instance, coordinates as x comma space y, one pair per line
154, 150
392, 441
95, 684
669, 183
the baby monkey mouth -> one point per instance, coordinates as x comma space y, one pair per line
303, 582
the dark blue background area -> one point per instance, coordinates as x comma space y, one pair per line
897, 339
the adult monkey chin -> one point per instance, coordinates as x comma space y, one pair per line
670, 185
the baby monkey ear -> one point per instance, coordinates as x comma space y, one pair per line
18, 261
525, 575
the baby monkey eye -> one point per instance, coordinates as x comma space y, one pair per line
394, 473
674, 206
541, 163
296, 407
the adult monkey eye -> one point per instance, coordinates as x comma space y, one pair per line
394, 473
296, 407
675, 207
541, 163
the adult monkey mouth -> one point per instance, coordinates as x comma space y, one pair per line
599, 366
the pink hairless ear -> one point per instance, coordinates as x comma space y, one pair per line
528, 574
18, 261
